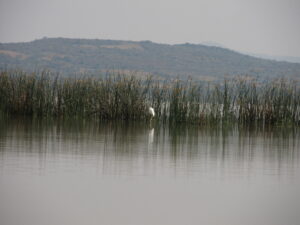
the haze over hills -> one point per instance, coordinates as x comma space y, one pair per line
69, 56
292, 59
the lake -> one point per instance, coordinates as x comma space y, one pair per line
85, 172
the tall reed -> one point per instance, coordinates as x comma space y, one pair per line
117, 96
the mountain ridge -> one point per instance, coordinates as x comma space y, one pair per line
198, 61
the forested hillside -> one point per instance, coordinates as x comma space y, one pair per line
70, 56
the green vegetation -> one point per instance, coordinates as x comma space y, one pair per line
124, 97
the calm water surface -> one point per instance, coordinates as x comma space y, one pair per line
80, 172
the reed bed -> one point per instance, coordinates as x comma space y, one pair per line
123, 97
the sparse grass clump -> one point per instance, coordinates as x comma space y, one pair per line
123, 97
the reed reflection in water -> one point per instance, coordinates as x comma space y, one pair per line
81, 172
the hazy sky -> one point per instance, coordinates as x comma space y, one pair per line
256, 26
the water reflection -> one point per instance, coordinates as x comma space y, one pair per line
137, 149
82, 172
151, 135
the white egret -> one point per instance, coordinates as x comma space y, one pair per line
151, 113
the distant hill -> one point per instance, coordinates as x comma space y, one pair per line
70, 56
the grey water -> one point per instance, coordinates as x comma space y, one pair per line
85, 172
